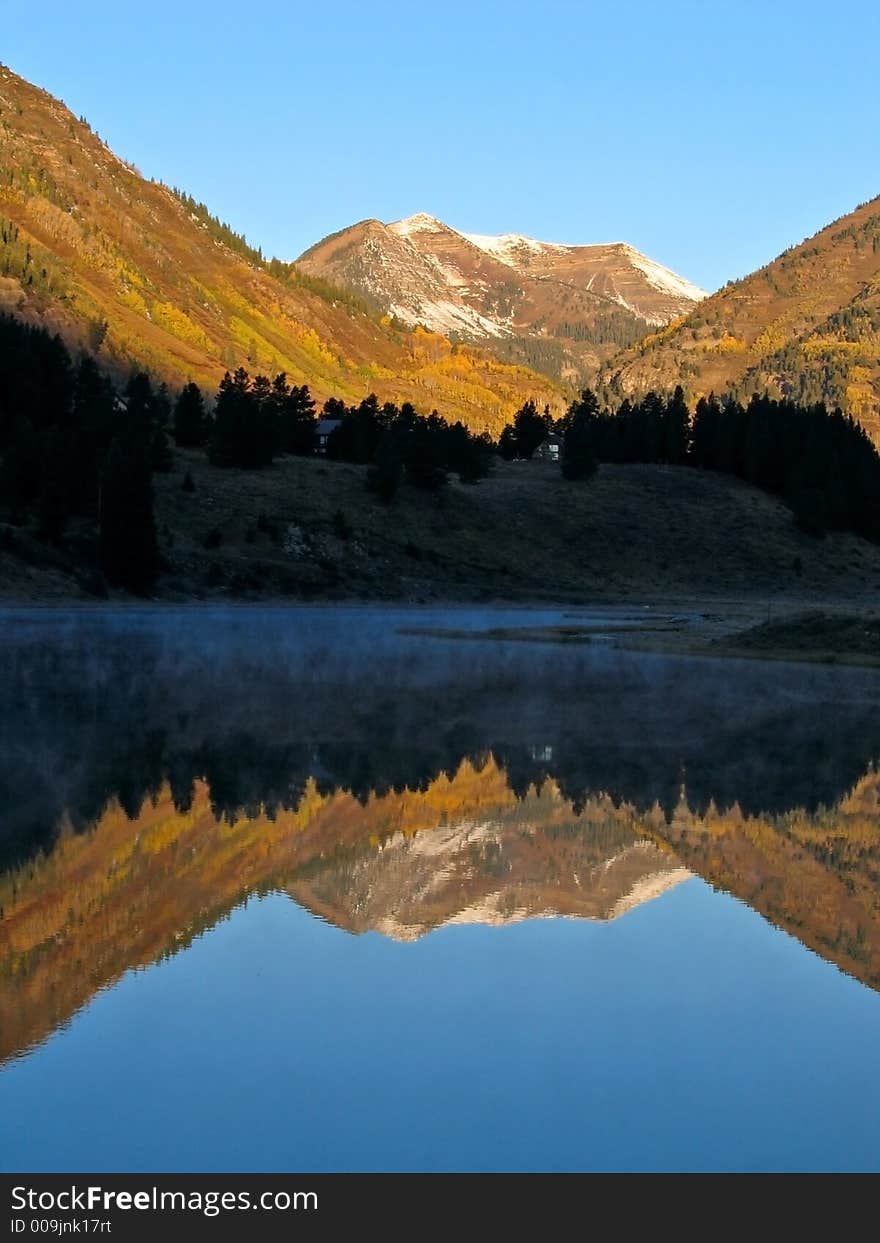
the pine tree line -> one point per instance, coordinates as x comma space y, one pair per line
820, 462
254, 420
620, 327
73, 446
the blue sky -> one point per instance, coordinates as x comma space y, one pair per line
709, 135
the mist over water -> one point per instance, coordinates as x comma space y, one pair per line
109, 704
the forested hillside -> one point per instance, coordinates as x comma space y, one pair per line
806, 326
139, 273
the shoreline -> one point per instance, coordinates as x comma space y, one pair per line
829, 632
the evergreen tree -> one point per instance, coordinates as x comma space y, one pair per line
162, 407
652, 420
20, 471
242, 433
295, 418
190, 418
261, 393
507, 443
707, 418
335, 408
730, 442
160, 455
530, 429
617, 431
357, 437
424, 460
677, 428
384, 476
140, 409
470, 455
129, 552
581, 425
53, 506
93, 419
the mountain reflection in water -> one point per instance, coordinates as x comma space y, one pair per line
157, 769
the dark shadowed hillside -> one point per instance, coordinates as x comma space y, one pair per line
307, 528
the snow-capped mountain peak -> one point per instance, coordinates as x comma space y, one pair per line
563, 308
421, 222
506, 246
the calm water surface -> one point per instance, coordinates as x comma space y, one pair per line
288, 889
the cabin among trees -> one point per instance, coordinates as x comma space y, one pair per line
324, 429
78, 451
550, 449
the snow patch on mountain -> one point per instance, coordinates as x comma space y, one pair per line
421, 222
494, 909
443, 316
649, 888
506, 246
450, 274
616, 296
500, 287
663, 278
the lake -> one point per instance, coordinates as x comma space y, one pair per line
304, 889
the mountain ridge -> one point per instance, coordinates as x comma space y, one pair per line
805, 325
142, 275
561, 307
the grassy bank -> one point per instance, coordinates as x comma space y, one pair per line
308, 529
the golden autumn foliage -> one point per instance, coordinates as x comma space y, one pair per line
803, 326
108, 247
125, 894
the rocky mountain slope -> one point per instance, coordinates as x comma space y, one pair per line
806, 325
491, 865
138, 273
561, 308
